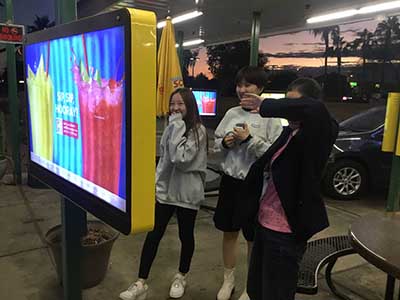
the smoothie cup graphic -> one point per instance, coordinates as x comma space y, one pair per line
208, 105
40, 95
101, 112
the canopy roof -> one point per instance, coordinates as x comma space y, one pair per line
231, 20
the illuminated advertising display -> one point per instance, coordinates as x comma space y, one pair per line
81, 109
206, 101
76, 96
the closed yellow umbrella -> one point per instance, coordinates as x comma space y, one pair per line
169, 69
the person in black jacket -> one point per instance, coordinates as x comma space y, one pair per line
284, 188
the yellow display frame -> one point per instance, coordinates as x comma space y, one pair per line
143, 117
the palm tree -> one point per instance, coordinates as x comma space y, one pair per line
387, 35
41, 23
338, 43
363, 44
325, 32
193, 60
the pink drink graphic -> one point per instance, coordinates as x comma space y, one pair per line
100, 104
208, 104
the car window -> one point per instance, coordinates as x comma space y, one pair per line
365, 121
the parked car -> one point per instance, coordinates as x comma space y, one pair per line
357, 163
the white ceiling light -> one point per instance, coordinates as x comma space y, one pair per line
332, 16
191, 43
352, 12
379, 7
181, 18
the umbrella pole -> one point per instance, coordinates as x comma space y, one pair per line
179, 41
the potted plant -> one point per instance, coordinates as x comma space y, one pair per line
3, 158
96, 249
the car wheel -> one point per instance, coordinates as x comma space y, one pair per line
345, 179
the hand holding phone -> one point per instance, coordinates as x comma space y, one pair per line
229, 140
241, 131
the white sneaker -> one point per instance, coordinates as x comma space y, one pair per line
244, 296
228, 287
178, 286
136, 291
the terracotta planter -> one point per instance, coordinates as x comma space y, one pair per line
95, 258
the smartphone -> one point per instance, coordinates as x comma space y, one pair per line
240, 125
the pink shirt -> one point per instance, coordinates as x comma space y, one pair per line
271, 214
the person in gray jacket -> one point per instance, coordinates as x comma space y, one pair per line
180, 180
242, 136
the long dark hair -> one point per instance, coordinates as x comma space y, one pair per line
192, 119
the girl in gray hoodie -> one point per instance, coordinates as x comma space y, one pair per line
180, 179
242, 136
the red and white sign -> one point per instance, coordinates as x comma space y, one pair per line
11, 33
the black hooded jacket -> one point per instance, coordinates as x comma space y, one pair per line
298, 170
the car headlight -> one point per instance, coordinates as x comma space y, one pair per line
345, 144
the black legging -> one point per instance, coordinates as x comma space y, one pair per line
186, 221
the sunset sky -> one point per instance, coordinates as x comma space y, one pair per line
296, 43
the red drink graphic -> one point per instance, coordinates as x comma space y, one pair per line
208, 105
100, 104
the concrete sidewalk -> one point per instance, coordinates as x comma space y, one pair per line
28, 271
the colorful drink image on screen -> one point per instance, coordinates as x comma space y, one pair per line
76, 95
206, 102
100, 104
40, 89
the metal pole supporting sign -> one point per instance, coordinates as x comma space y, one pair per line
73, 218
